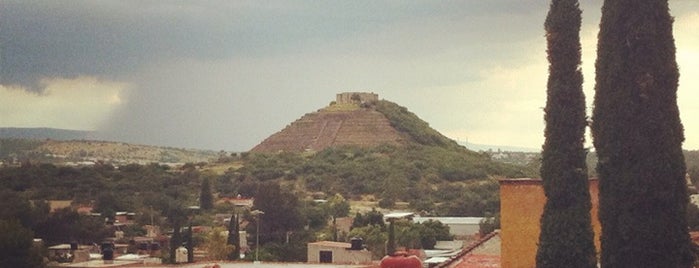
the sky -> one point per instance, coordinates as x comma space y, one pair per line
225, 75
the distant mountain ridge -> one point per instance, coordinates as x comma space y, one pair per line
47, 133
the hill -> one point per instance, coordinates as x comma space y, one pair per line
370, 149
360, 120
86, 151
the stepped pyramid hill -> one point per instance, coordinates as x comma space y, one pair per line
352, 119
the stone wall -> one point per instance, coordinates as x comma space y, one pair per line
354, 97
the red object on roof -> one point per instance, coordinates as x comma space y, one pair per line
400, 259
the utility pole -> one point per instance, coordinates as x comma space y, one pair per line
257, 214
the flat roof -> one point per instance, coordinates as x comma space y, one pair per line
398, 215
332, 244
450, 220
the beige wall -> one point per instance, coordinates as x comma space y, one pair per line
341, 255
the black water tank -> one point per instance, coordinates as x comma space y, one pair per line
73, 245
107, 251
108, 254
356, 243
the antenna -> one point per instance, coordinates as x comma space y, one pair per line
1, 62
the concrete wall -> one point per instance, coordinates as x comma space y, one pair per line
341, 254
521, 205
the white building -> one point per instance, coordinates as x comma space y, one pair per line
458, 226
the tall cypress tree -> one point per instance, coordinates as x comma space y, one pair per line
638, 137
190, 244
175, 242
234, 237
206, 198
566, 238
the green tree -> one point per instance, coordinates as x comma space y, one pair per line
107, 205
217, 246
337, 206
175, 241
206, 198
234, 237
489, 224
66, 225
176, 217
189, 242
391, 242
16, 249
281, 213
563, 169
374, 237
15, 206
638, 138
358, 220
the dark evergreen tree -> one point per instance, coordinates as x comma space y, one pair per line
281, 213
175, 242
190, 244
566, 238
16, 249
391, 243
206, 198
234, 237
358, 221
638, 137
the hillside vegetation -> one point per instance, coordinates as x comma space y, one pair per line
55, 151
418, 174
410, 124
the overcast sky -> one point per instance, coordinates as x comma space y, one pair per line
225, 75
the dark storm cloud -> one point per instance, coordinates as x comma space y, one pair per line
102, 38
114, 38
226, 74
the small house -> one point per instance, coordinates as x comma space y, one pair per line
338, 252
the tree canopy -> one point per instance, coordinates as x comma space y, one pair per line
563, 168
638, 138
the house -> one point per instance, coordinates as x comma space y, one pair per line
338, 252
55, 205
237, 201
124, 217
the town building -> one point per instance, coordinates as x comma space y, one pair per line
338, 252
460, 227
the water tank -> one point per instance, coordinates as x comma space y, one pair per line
107, 251
107, 254
356, 243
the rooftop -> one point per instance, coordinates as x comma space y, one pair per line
450, 220
332, 244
